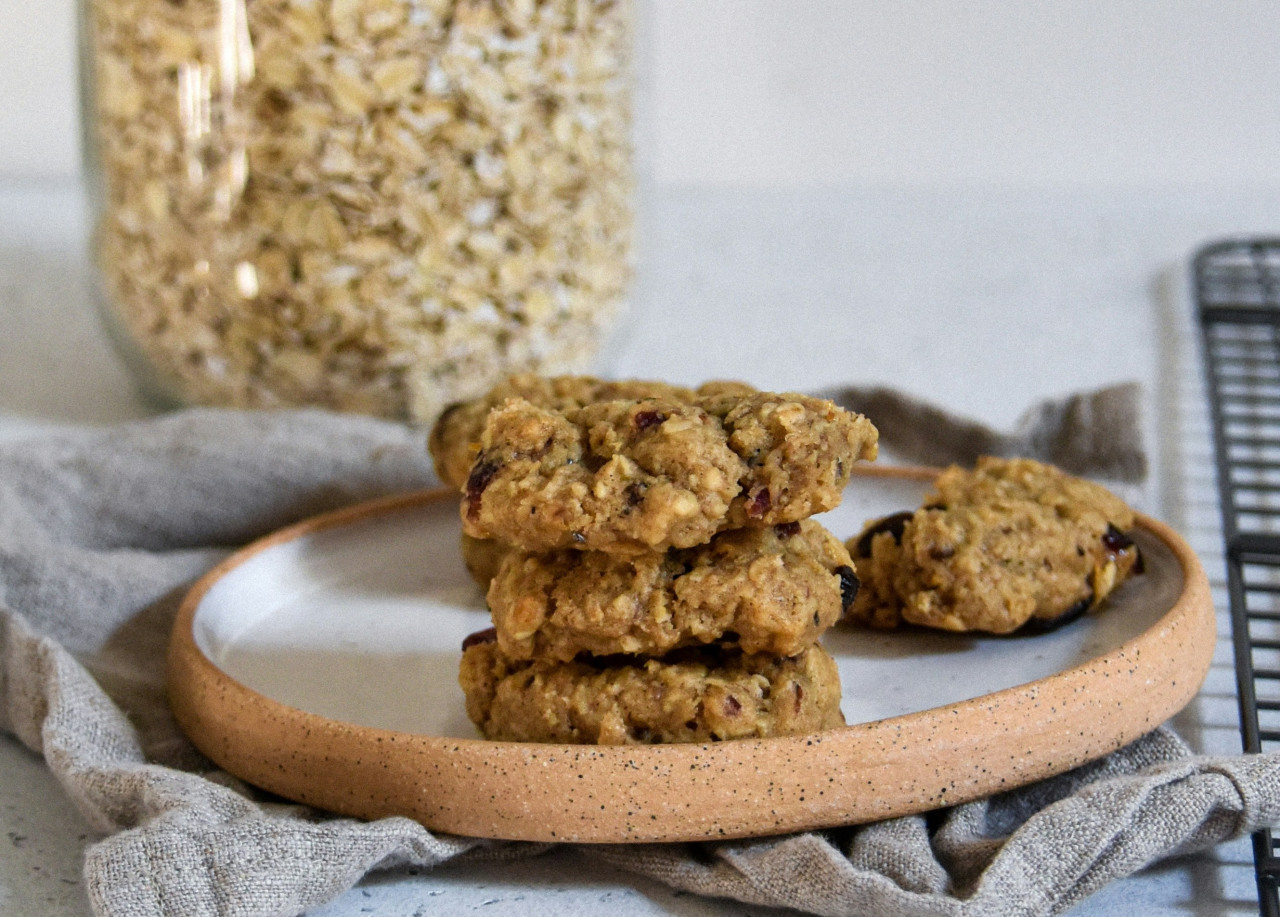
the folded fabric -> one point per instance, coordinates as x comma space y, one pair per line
102, 530
1096, 433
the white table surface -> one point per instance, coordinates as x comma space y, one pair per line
984, 299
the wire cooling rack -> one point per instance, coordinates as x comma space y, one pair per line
1237, 291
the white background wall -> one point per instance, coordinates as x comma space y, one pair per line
813, 92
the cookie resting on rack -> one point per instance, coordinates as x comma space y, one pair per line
1012, 545
643, 475
772, 590
702, 695
454, 440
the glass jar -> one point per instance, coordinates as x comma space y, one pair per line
368, 205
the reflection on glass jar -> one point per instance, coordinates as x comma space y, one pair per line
369, 205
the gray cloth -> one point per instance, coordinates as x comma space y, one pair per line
100, 531
1097, 433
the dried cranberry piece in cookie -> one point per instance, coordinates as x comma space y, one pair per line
893, 525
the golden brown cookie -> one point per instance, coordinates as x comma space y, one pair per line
1010, 545
455, 438
483, 558
635, 476
701, 696
772, 590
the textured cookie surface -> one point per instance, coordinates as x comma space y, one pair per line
771, 590
483, 558
703, 696
455, 438
1012, 544
634, 476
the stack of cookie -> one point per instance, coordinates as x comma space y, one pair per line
653, 573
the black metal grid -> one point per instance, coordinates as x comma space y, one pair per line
1237, 289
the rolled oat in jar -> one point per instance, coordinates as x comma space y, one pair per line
369, 205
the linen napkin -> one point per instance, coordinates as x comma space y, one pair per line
1096, 433
102, 530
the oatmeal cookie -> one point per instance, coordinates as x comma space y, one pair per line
704, 695
1011, 545
772, 590
642, 475
454, 440
483, 558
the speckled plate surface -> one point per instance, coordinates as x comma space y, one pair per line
321, 664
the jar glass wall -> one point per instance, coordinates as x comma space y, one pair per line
368, 205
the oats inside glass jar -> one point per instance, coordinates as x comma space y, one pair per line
380, 206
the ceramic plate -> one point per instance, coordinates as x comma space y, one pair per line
321, 664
